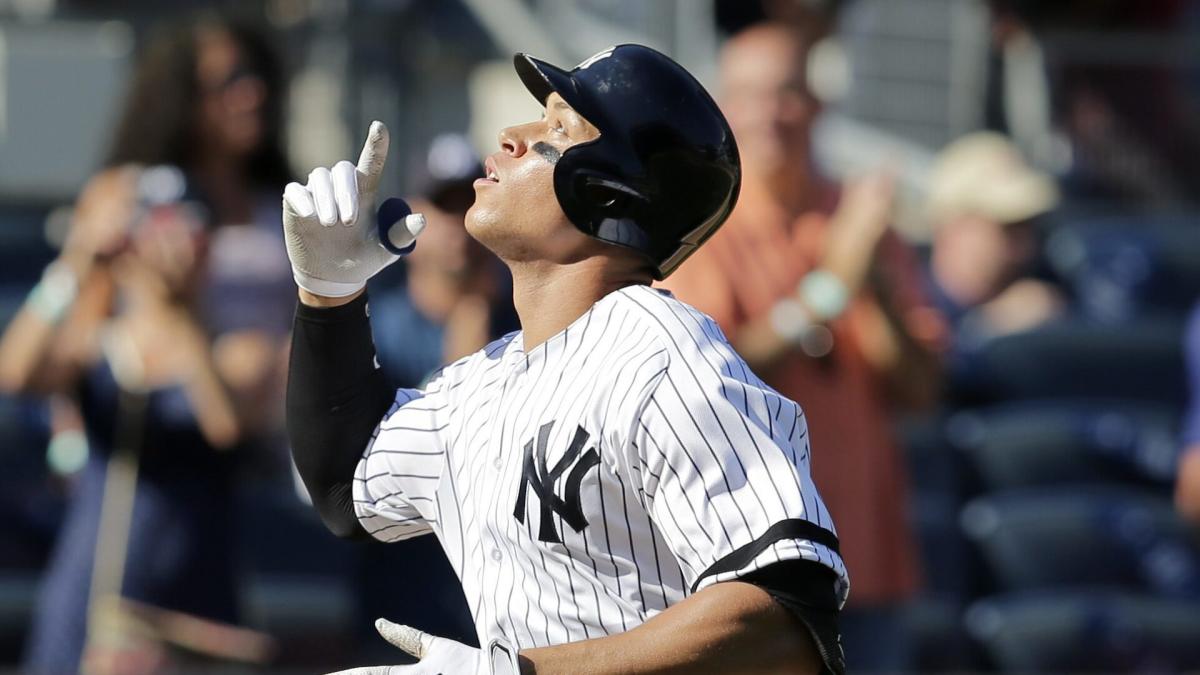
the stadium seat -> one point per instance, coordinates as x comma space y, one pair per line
1099, 536
1058, 442
937, 485
939, 639
1123, 266
937, 489
1087, 631
1141, 360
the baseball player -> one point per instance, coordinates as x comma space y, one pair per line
616, 490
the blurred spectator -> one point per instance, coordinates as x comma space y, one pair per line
825, 303
452, 298
1121, 94
1187, 486
165, 318
814, 16
983, 202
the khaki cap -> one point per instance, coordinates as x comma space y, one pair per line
983, 174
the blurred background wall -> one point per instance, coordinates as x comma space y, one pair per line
1043, 497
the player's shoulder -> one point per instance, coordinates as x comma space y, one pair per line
676, 324
472, 364
488, 354
699, 352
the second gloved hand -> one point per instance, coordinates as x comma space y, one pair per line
329, 225
439, 656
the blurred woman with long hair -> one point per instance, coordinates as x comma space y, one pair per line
164, 317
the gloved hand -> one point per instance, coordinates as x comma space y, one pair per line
334, 249
439, 656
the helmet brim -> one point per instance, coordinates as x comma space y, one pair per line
543, 79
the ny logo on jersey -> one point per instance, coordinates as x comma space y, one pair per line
535, 475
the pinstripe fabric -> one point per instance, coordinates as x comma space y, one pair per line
584, 486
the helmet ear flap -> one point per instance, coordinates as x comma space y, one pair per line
604, 194
601, 205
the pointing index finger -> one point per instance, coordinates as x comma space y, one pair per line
373, 157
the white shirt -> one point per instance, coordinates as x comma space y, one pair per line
588, 484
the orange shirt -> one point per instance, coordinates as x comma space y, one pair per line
757, 258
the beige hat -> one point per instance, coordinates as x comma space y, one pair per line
983, 174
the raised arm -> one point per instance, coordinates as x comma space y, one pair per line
336, 395
335, 398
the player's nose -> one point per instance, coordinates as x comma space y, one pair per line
512, 141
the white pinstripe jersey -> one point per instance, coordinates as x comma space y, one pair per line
583, 486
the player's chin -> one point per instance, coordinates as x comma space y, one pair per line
481, 219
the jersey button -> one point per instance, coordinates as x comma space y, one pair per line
496, 555
497, 463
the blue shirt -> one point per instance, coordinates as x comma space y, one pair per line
410, 344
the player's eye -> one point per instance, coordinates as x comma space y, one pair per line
559, 129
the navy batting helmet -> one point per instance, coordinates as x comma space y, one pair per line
664, 173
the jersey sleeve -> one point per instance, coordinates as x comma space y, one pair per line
725, 474
395, 484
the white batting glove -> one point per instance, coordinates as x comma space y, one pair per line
332, 238
439, 656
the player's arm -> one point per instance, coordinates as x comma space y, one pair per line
335, 398
754, 542
336, 395
732, 627
761, 623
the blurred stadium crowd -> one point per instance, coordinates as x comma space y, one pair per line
968, 244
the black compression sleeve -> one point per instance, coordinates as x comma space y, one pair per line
335, 398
